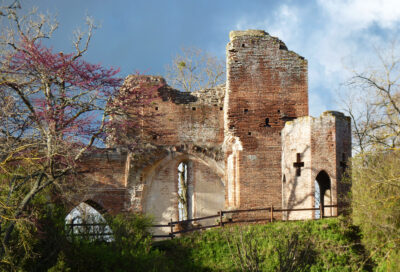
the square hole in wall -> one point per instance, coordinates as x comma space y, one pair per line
193, 108
249, 133
246, 110
221, 108
156, 108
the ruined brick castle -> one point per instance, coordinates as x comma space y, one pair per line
247, 144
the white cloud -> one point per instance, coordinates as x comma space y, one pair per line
359, 14
331, 34
280, 24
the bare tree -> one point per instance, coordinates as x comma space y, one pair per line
373, 102
194, 69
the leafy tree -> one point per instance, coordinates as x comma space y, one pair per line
194, 69
55, 108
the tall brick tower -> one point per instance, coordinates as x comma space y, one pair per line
266, 86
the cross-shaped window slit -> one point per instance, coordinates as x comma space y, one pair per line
298, 164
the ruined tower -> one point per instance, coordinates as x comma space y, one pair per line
266, 86
247, 144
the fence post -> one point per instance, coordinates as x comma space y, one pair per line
220, 218
321, 211
272, 213
172, 229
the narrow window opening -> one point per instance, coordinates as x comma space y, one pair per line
220, 108
279, 111
156, 108
267, 124
246, 110
249, 133
231, 127
243, 45
193, 108
183, 196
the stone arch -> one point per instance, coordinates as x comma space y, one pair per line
96, 206
160, 193
322, 192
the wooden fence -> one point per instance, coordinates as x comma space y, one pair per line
187, 226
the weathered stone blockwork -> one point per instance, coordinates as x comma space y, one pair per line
324, 145
236, 140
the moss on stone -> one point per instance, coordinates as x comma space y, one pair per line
249, 32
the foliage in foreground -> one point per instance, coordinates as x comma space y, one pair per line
130, 251
324, 245
376, 205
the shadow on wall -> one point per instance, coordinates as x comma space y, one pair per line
180, 187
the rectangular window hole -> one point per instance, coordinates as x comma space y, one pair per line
221, 108
249, 133
156, 108
231, 127
246, 110
193, 108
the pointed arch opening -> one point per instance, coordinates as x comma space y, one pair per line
322, 192
184, 192
86, 222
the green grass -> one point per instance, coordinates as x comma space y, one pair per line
323, 245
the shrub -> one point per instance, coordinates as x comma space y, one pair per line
376, 204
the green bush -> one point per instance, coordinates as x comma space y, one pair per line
376, 205
323, 245
130, 251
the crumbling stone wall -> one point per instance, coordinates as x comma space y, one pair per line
104, 176
234, 139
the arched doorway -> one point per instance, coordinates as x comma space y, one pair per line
322, 192
205, 189
86, 222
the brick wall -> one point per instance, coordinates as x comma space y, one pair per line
264, 80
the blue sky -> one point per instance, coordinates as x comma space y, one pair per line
333, 35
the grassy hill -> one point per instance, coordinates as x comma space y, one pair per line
323, 245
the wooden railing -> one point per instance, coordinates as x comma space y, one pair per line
270, 217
